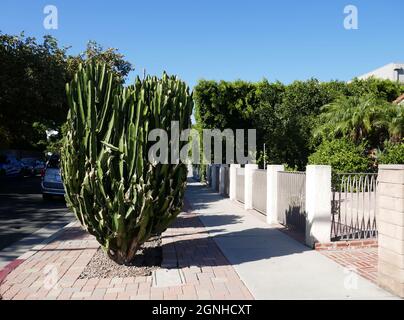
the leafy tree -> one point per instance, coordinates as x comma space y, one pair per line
224, 104
383, 89
393, 119
358, 117
33, 75
285, 116
343, 155
32, 80
95, 53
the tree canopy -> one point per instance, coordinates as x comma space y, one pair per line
33, 75
287, 116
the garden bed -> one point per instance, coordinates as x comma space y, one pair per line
147, 259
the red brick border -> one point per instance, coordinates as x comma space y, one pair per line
10, 267
346, 245
362, 261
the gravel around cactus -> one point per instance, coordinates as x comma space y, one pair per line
147, 259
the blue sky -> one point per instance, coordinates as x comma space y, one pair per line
226, 39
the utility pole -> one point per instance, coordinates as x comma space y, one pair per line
265, 158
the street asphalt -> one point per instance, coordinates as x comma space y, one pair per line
24, 212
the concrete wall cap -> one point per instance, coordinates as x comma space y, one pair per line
391, 166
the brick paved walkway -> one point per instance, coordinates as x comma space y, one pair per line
362, 261
204, 271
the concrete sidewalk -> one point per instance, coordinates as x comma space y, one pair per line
271, 264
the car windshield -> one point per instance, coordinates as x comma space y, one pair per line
53, 163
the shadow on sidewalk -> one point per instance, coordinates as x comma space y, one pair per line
199, 247
211, 221
239, 247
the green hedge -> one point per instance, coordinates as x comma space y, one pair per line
342, 155
392, 154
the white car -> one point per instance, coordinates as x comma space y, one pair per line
52, 183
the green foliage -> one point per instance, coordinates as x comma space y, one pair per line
294, 119
383, 89
358, 117
393, 153
32, 86
393, 120
224, 104
287, 116
115, 62
342, 154
289, 168
282, 115
32, 78
116, 193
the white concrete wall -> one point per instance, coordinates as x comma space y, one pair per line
248, 180
390, 223
318, 204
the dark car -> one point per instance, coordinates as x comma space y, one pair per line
32, 166
52, 183
10, 166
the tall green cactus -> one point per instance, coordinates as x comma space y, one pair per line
115, 192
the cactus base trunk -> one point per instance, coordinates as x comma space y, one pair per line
124, 257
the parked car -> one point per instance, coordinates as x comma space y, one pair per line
32, 166
28, 166
39, 167
10, 166
52, 183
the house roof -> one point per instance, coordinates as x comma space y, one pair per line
399, 100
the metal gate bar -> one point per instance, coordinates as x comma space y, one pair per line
292, 200
353, 206
226, 181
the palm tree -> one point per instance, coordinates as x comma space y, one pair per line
356, 117
394, 122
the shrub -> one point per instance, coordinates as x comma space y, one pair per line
116, 193
393, 154
342, 155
